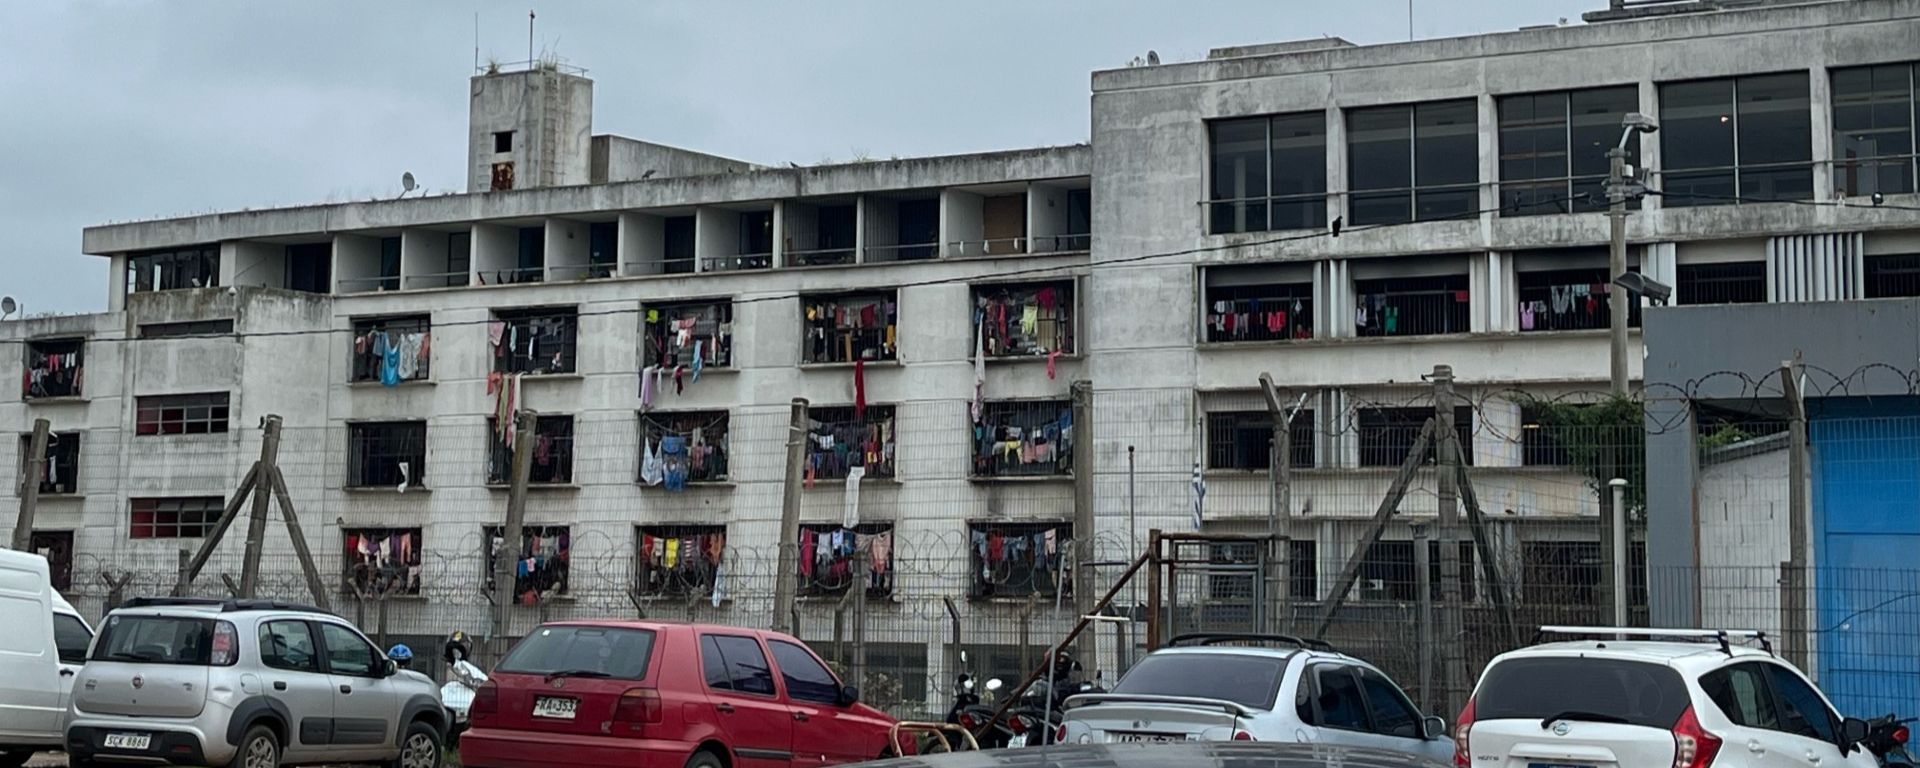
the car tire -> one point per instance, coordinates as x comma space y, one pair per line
704, 759
421, 747
14, 759
258, 749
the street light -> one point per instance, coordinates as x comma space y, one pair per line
1619, 188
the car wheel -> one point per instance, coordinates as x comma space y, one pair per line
421, 749
704, 759
14, 759
258, 749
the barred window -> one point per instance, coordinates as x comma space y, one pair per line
1539, 441
1738, 282
1303, 572
829, 563
1561, 572
678, 560
536, 341
62, 472
839, 439
1386, 573
1413, 306
673, 333
541, 566
180, 517
1570, 300
843, 328
55, 368
1243, 440
701, 443
387, 453
1024, 320
409, 338
1893, 276
382, 560
1019, 559
1387, 435
1023, 439
197, 414
552, 452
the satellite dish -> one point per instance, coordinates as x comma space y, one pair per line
8, 306
406, 181
1153, 58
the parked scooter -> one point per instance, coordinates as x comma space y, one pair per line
971, 712
1038, 715
463, 681
1887, 740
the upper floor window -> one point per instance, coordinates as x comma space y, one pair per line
382, 561
1386, 573
843, 328
829, 558
177, 517
1413, 162
542, 563
1244, 440
1569, 300
1553, 148
1736, 139
384, 454
552, 461
1893, 276
196, 266
1387, 435
678, 335
1873, 116
679, 448
1024, 320
1258, 303
1029, 438
1413, 306
61, 475
55, 368
197, 414
1020, 559
1733, 282
678, 560
186, 329
840, 439
537, 341
309, 267
391, 350
1540, 440
1268, 173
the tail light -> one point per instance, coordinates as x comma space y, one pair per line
1461, 729
1060, 734
1242, 736
226, 644
638, 706
1017, 724
486, 700
966, 719
1900, 735
1693, 747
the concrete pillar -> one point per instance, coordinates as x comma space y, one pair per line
1649, 149
1820, 101
1489, 197
643, 244
779, 234
567, 248
496, 250
1336, 164
117, 283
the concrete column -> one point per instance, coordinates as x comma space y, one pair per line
961, 223
643, 244
117, 283
1649, 150
779, 234
1336, 164
567, 248
860, 230
496, 249
356, 262
423, 258
1489, 122
1820, 101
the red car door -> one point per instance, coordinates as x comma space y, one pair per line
745, 701
821, 736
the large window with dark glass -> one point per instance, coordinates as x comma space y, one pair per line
1736, 140
189, 267
1412, 162
1891, 276
384, 454
1553, 148
1244, 440
1733, 282
1873, 116
1268, 173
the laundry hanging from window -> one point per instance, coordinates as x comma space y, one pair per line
829, 558
1014, 560
838, 441
842, 329
680, 561
689, 336
383, 560
704, 434
1025, 320
541, 565
534, 341
392, 350
54, 369
1023, 438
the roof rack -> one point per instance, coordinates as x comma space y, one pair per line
1217, 638
1724, 637
226, 606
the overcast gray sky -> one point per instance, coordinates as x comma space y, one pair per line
125, 110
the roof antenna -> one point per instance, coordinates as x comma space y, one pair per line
476, 41
1409, 21
530, 35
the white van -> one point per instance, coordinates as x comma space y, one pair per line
44, 643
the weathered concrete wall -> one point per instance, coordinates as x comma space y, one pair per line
618, 158
551, 116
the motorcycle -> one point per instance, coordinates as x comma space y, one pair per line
463, 682
1039, 715
1887, 740
973, 713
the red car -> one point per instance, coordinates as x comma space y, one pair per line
653, 694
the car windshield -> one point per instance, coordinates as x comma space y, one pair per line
1637, 693
584, 651
154, 640
1244, 679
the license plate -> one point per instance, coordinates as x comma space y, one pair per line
1147, 738
1557, 765
127, 741
555, 707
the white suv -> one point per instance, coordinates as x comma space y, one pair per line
1691, 703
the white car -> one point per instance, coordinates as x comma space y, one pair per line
44, 645
1200, 689
1689, 703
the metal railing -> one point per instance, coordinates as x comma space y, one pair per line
583, 271
1003, 246
820, 257
511, 276
736, 262
437, 280
902, 252
369, 284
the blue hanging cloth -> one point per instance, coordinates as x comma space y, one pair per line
389, 359
673, 454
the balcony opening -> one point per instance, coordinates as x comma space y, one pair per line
1570, 300
1024, 439
820, 233
195, 414
61, 475
366, 263
1413, 306
986, 220
55, 368
382, 561
1258, 303
390, 263
839, 440
603, 249
678, 561
1243, 440
1025, 320
676, 335
437, 258
1893, 276
537, 341
829, 559
691, 447
459, 266
545, 551
1020, 559
1733, 282
1060, 216
173, 517
731, 239
1387, 435
1386, 573
552, 462
310, 267
390, 350
387, 454
196, 266
678, 253
903, 227
842, 328
530, 256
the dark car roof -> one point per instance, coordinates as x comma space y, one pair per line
1196, 754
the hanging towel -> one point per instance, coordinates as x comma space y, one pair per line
719, 583
859, 390
496, 332
389, 360
651, 472
1052, 359
1030, 320
850, 517
698, 358
673, 552
979, 371
647, 378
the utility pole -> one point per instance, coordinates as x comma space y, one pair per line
1447, 467
257, 520
1617, 298
1423, 599
1083, 538
1280, 510
787, 565
1619, 486
507, 556
1794, 602
30, 486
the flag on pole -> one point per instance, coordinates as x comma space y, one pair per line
1199, 494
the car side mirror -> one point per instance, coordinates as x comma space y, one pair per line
1432, 727
389, 669
848, 695
1853, 730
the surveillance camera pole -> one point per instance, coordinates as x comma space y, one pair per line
1618, 298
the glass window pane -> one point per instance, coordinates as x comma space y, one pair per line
1379, 148
1300, 154
1774, 123
1594, 117
1447, 143
1696, 126
1239, 158
805, 678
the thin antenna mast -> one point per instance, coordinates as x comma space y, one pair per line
1409, 21
476, 41
529, 36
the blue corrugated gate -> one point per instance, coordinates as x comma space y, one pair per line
1865, 457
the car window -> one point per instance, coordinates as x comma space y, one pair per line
71, 637
619, 653
347, 654
714, 664
288, 645
1247, 680
155, 640
1537, 687
1802, 711
1338, 700
1393, 714
806, 679
747, 670
1741, 693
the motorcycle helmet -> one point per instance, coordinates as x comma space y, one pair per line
401, 655
457, 648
